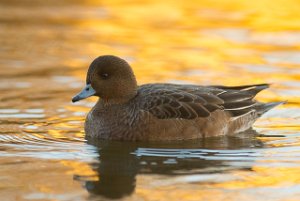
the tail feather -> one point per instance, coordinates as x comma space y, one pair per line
238, 100
255, 88
243, 119
245, 90
265, 107
244, 87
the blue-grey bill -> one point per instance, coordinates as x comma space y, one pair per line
86, 92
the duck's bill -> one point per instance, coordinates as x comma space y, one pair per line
86, 92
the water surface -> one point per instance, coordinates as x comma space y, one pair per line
46, 47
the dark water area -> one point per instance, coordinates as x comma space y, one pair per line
45, 50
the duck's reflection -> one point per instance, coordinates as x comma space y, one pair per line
120, 162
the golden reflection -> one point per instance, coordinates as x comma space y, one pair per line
80, 168
37, 178
258, 177
264, 177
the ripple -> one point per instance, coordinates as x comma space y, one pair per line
196, 153
35, 110
46, 147
22, 115
31, 127
292, 57
9, 111
278, 154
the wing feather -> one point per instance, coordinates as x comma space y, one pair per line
166, 101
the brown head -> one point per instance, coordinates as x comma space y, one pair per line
110, 78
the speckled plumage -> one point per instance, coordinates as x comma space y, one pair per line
166, 111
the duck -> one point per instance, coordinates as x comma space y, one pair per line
164, 111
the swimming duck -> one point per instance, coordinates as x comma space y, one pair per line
156, 112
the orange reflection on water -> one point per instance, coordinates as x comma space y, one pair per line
265, 177
80, 168
170, 40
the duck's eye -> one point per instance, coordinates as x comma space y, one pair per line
104, 75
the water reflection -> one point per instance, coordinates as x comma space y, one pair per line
117, 170
120, 163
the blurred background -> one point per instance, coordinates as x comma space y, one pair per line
47, 46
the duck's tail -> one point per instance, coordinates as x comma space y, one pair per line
262, 108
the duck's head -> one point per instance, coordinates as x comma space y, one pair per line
110, 78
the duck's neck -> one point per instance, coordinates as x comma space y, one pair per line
115, 101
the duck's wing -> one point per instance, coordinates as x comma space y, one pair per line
172, 101
167, 101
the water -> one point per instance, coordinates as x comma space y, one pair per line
46, 47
